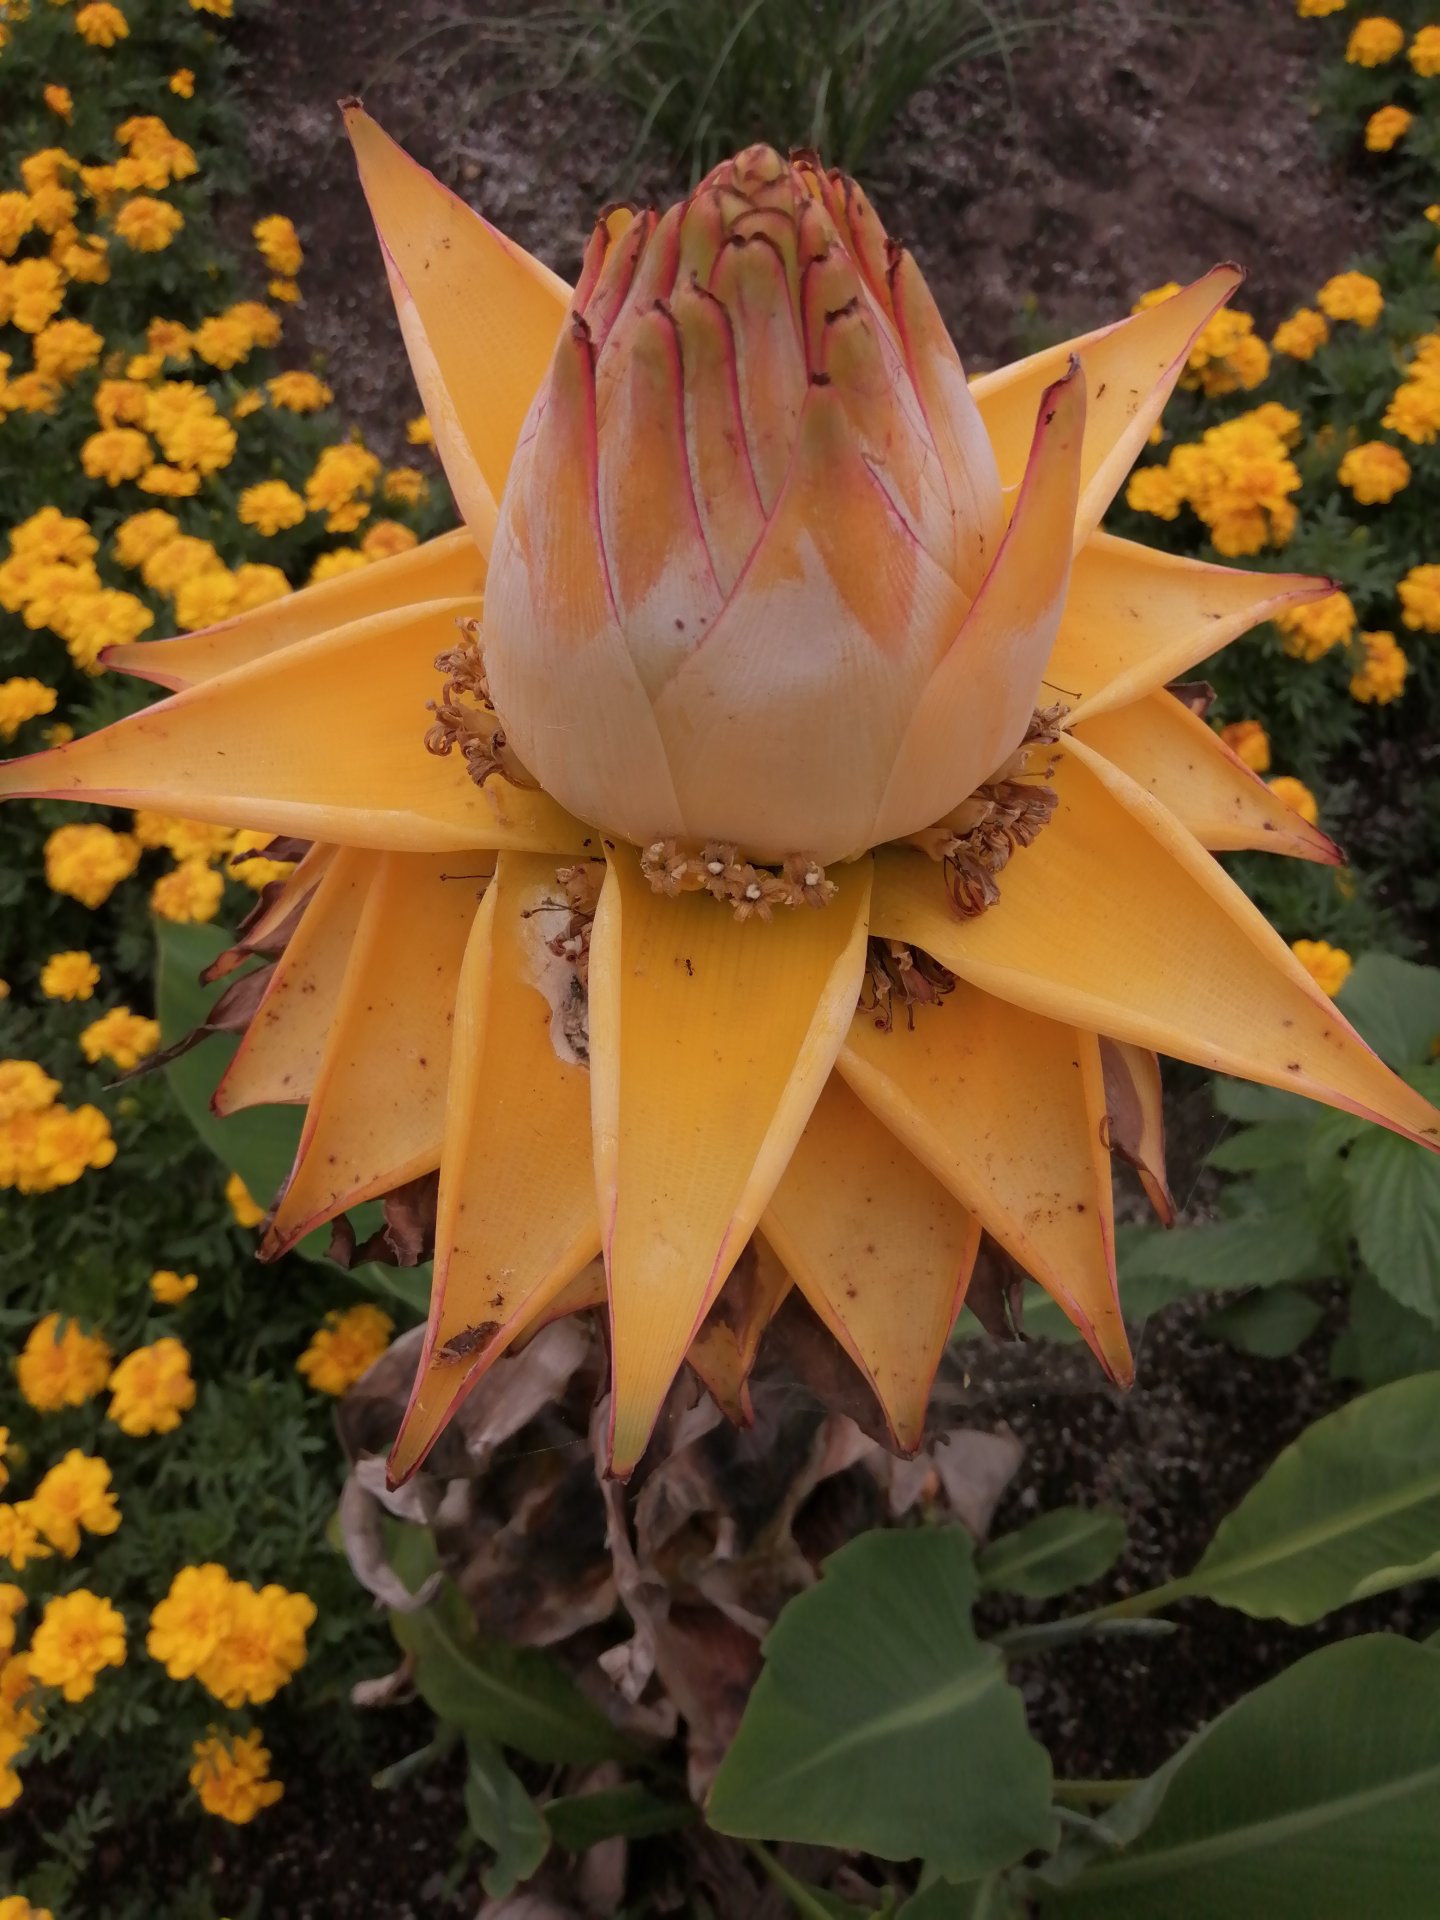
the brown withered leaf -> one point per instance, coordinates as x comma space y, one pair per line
407, 1239
232, 1013
1197, 695
996, 1292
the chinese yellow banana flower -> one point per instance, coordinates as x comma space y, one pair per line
801, 850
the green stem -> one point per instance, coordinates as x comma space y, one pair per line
1137, 1606
1090, 1793
801, 1897
1017, 1642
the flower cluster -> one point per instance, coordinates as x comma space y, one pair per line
151, 1388
231, 1776
44, 1144
1238, 478
240, 1643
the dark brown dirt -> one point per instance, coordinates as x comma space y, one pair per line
1142, 143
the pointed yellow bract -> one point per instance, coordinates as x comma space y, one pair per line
1000, 1106
709, 1044
377, 1109
517, 1220
878, 1247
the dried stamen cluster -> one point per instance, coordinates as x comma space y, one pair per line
465, 716
895, 971
975, 842
717, 869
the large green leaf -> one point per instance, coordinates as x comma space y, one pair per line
1382, 1341
582, 1820
1269, 1323
1317, 1797
881, 1722
1067, 1548
1395, 1206
1272, 1143
1396, 1005
1350, 1508
259, 1143
502, 1815
992, 1898
518, 1697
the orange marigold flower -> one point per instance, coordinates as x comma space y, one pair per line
231, 1773
79, 1634
345, 1347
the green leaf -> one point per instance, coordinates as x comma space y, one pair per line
1350, 1508
880, 1722
582, 1820
259, 1143
502, 1814
1067, 1548
1395, 1205
1273, 1143
1269, 1324
1243, 1100
516, 1696
1382, 1341
1396, 1006
1314, 1795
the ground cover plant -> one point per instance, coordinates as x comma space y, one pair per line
592, 1655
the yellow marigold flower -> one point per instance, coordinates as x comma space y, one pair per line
171, 483
66, 348
20, 1538
1420, 599
170, 563
262, 323
14, 1906
60, 735
122, 1036
1329, 967
1374, 472
115, 454
144, 366
246, 1213
406, 485
257, 584
251, 401
89, 861
182, 83
1312, 630
1297, 796
202, 601
121, 403
61, 1366
341, 475
344, 1347
222, 9
148, 225
263, 1645
16, 219
47, 167
170, 339
199, 441
75, 1494
1424, 53
33, 393
1382, 678
170, 1288
419, 432
25, 1087
1373, 41
69, 976
222, 342
54, 208
79, 1634
60, 101
4, 1451
279, 244
143, 534
1155, 490
12, 1602
35, 290
1318, 9
101, 24
87, 259
248, 864
286, 290
189, 893
329, 566
190, 1622
4, 989
1385, 127
1414, 408
109, 618
1248, 740
231, 1772
23, 699
299, 392
386, 538
271, 506
151, 1388
201, 840
62, 1145
1352, 296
